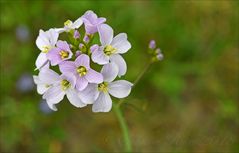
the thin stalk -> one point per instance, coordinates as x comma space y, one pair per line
124, 128
137, 80
120, 117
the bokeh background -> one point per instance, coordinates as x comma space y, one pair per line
186, 103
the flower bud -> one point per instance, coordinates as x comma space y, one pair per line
152, 44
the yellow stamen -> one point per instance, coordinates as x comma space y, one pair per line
108, 50
103, 87
46, 49
65, 84
81, 70
64, 54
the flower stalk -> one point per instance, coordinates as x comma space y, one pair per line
124, 128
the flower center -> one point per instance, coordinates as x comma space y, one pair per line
45, 49
64, 54
81, 70
68, 23
108, 50
103, 87
65, 84
47, 85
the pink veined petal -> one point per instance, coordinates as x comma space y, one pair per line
94, 77
90, 16
94, 48
54, 57
121, 43
81, 83
53, 96
41, 60
42, 40
101, 20
59, 30
109, 72
103, 103
120, 88
48, 76
69, 77
62, 45
89, 94
83, 60
99, 57
67, 67
36, 79
90, 29
106, 34
74, 99
53, 36
77, 23
120, 62
42, 88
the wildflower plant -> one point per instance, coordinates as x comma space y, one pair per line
73, 63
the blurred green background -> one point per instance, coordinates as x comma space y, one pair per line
186, 103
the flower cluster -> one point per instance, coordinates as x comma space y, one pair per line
155, 52
70, 57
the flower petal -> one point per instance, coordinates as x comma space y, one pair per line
99, 57
89, 94
103, 103
42, 40
69, 77
54, 57
60, 30
63, 45
77, 23
81, 83
120, 88
41, 88
41, 60
106, 34
121, 43
53, 36
67, 67
83, 60
94, 77
120, 62
53, 96
109, 72
48, 76
74, 99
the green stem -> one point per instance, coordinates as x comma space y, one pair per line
120, 117
137, 80
124, 128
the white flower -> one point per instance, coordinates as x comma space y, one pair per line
64, 85
99, 94
45, 41
111, 48
69, 25
45, 79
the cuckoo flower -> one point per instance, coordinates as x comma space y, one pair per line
45, 79
111, 48
81, 69
99, 94
91, 22
65, 85
61, 53
45, 42
69, 25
